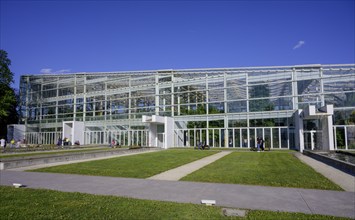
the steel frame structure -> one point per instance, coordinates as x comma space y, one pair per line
202, 102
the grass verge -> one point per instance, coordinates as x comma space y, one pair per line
136, 166
27, 203
280, 169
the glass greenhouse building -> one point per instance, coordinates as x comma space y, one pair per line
290, 107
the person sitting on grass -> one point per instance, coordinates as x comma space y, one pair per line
12, 143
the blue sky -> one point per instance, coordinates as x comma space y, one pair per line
100, 36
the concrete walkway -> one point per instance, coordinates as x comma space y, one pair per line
308, 201
344, 180
226, 195
180, 172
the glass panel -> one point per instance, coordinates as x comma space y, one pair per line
236, 93
340, 137
267, 138
237, 138
230, 138
259, 91
292, 138
284, 138
350, 131
259, 132
259, 105
275, 137
237, 106
245, 137
211, 138
252, 138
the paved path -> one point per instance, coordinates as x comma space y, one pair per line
226, 195
344, 180
180, 172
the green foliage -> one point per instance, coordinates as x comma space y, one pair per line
350, 99
280, 169
6, 74
136, 166
262, 122
25, 203
344, 117
340, 137
258, 105
8, 98
201, 110
352, 118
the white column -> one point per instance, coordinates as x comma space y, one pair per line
299, 136
172, 96
327, 128
84, 105
74, 104
321, 86
327, 131
226, 132
294, 89
156, 94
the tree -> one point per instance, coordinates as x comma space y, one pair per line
352, 118
8, 98
260, 91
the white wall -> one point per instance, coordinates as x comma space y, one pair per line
299, 136
78, 130
169, 132
168, 123
153, 142
74, 130
16, 132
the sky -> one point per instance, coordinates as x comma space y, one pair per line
52, 36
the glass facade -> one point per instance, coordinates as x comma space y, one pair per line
220, 107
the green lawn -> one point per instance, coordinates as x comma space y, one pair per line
263, 168
275, 168
27, 203
136, 166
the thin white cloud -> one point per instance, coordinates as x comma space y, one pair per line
299, 44
46, 71
63, 71
50, 71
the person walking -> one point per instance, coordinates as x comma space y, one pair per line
261, 144
59, 142
2, 143
258, 144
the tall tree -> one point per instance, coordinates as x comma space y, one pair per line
260, 91
8, 100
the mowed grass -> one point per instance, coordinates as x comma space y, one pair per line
280, 169
27, 203
135, 166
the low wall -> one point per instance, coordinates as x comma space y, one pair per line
338, 164
9, 163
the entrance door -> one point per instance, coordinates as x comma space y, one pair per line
161, 140
312, 140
